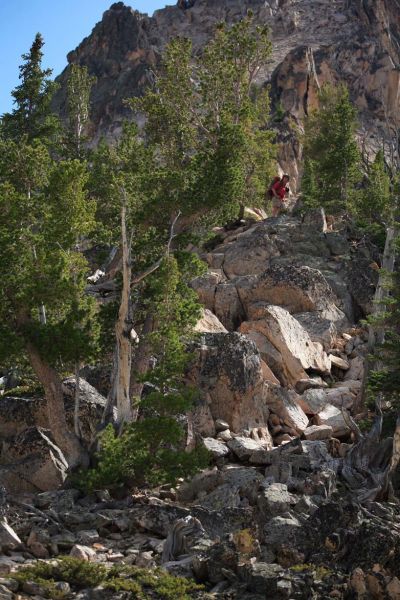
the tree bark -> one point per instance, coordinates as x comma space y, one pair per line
65, 439
121, 390
123, 332
141, 362
77, 427
376, 335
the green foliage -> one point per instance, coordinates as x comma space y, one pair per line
309, 185
387, 380
79, 86
144, 584
146, 453
32, 116
45, 211
374, 203
279, 113
151, 450
331, 155
207, 124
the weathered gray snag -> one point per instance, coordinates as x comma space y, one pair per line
122, 387
368, 467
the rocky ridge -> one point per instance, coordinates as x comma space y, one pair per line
314, 42
279, 367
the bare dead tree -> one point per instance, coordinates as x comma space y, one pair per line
122, 389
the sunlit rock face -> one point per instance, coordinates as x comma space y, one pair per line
314, 41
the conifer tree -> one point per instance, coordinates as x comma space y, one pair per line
44, 313
331, 154
208, 124
79, 86
32, 116
41, 265
374, 205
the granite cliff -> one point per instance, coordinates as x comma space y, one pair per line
314, 42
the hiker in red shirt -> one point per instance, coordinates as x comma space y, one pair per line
277, 192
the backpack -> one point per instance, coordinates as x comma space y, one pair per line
275, 179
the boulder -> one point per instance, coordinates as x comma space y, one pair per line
34, 463
265, 576
316, 451
246, 479
318, 432
310, 383
227, 306
356, 370
281, 530
228, 375
320, 330
333, 417
274, 500
8, 538
339, 363
209, 323
91, 408
244, 447
224, 435
297, 289
224, 496
313, 401
267, 373
250, 254
270, 356
204, 481
216, 448
341, 397
205, 287
84, 553
221, 425
18, 414
293, 343
337, 243
285, 404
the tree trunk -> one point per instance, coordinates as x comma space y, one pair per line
376, 335
123, 332
65, 439
141, 362
77, 427
108, 416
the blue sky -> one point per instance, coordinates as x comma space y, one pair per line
63, 24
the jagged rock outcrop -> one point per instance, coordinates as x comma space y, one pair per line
314, 42
293, 264
288, 286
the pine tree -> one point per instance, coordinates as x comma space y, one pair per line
79, 86
32, 116
208, 124
375, 200
330, 149
309, 187
45, 207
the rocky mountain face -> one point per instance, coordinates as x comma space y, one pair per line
296, 503
314, 42
292, 505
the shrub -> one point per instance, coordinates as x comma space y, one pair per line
142, 583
